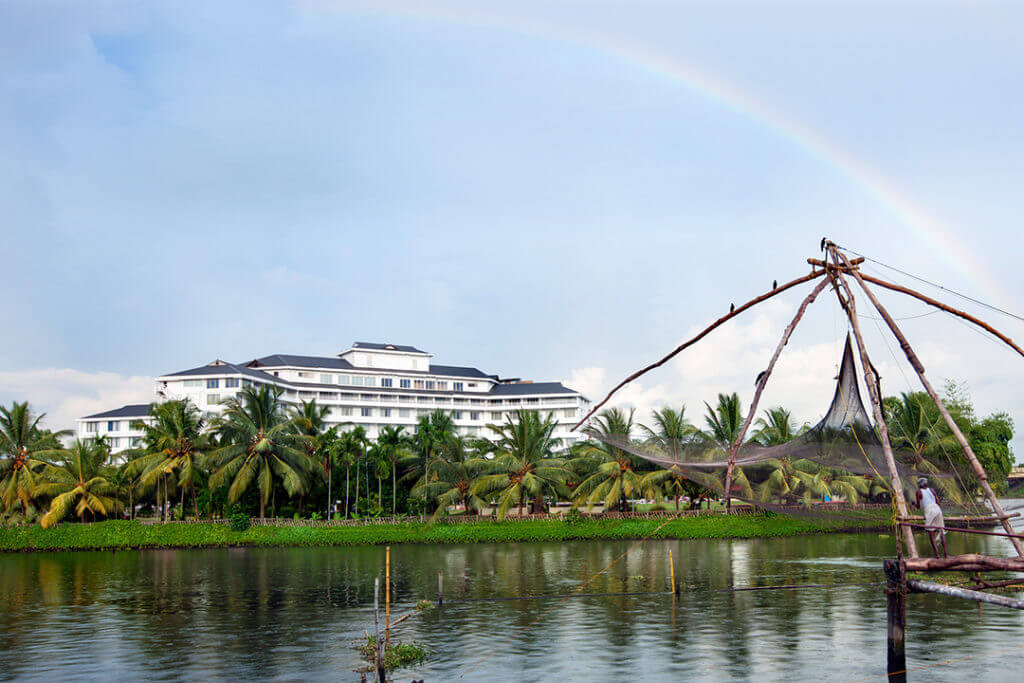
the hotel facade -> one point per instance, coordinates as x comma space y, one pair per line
369, 385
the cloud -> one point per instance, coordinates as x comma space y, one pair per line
65, 394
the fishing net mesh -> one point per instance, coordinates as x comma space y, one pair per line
835, 469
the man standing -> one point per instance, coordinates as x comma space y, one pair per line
929, 502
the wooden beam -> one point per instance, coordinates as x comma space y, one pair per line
967, 594
915, 362
693, 340
763, 381
971, 562
850, 306
896, 619
948, 309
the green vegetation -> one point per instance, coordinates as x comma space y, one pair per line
261, 458
125, 535
396, 654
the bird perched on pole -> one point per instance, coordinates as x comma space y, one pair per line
775, 284
732, 308
760, 375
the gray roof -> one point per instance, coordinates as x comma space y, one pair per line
373, 346
222, 369
279, 360
458, 371
530, 388
133, 410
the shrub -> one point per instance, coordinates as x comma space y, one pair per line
239, 521
573, 517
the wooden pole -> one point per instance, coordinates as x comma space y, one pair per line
971, 562
896, 620
387, 599
672, 573
761, 383
440, 588
948, 309
850, 306
965, 593
703, 333
915, 362
378, 647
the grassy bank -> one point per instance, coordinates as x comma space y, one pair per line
123, 535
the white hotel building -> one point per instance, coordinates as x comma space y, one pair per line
372, 385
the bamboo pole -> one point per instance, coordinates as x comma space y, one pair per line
672, 572
387, 599
850, 306
948, 309
972, 562
915, 362
965, 593
762, 382
379, 663
693, 340
440, 589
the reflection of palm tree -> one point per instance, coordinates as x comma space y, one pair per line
25, 449
524, 463
80, 482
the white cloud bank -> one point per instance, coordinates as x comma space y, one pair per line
65, 394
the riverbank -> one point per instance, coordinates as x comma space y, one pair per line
125, 535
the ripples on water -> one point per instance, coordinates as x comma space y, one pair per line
295, 613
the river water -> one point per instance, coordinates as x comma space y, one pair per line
294, 613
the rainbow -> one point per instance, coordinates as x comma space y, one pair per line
715, 90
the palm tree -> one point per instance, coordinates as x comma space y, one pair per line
348, 450
724, 421
613, 478
431, 431
449, 479
259, 443
524, 462
24, 450
776, 427
173, 442
395, 448
671, 430
310, 421
81, 482
919, 433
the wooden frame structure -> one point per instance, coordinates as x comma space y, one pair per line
838, 270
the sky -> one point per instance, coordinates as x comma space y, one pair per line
549, 190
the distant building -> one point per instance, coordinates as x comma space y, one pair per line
372, 385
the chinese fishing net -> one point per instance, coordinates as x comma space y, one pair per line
835, 469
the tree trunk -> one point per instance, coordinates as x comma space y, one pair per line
538, 504
163, 505
195, 503
380, 494
182, 504
263, 505
677, 502
330, 503
355, 495
348, 469
394, 490
520, 502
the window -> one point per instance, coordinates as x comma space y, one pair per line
571, 413
417, 384
456, 414
346, 411
476, 416
136, 442
385, 412
212, 383
276, 373
457, 386
423, 399
304, 374
114, 441
326, 379
231, 383
403, 412
91, 427
113, 426
193, 383
442, 386
532, 400
246, 383
429, 384
386, 382
421, 413
212, 399
370, 381
344, 379
495, 416
404, 383
472, 385
366, 412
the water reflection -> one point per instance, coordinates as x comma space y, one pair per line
294, 613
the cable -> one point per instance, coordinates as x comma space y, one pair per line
933, 284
